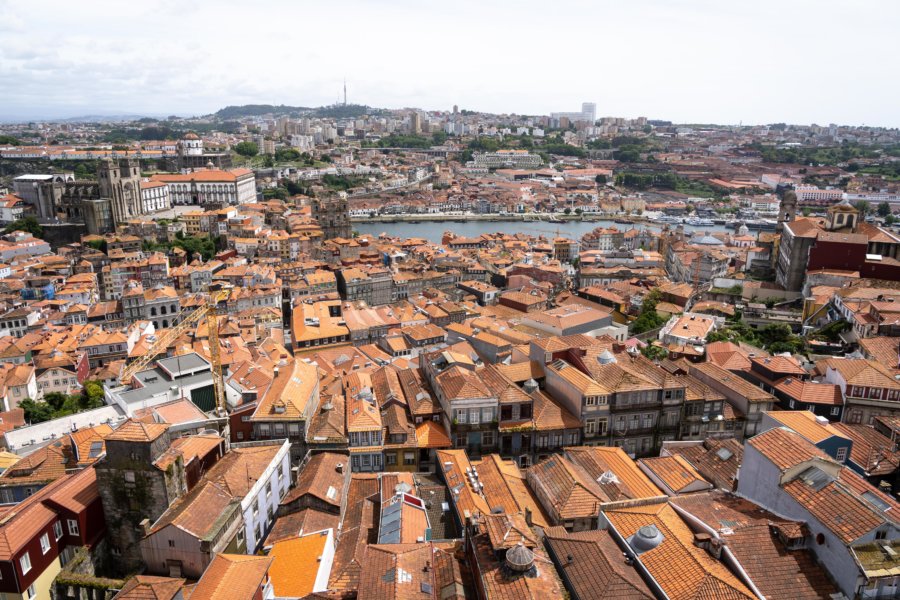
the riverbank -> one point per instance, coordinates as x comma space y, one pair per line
546, 218
433, 229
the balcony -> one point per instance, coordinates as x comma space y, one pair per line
466, 427
632, 431
623, 407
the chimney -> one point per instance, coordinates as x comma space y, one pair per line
528, 516
146, 526
339, 467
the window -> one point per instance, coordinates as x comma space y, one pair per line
590, 427
171, 543
461, 415
31, 592
129, 476
25, 563
57, 530
475, 415
487, 438
73, 526
409, 458
591, 401
390, 459
841, 455
45, 544
835, 411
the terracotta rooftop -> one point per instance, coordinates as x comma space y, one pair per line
590, 562
295, 564
232, 577
752, 536
136, 431
683, 570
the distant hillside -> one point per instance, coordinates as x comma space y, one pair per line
335, 111
255, 110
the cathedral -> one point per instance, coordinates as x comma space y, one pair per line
101, 205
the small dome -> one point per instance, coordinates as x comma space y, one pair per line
606, 357
647, 538
191, 136
708, 240
519, 558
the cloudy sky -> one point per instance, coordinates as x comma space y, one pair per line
750, 61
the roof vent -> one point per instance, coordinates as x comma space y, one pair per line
530, 386
823, 421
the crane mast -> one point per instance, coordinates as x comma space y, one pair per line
210, 311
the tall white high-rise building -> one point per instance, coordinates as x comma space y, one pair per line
588, 114
589, 109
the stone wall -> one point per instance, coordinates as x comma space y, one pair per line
79, 580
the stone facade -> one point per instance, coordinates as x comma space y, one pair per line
134, 490
333, 216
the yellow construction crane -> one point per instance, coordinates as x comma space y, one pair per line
218, 295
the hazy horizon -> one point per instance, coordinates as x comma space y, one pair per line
686, 61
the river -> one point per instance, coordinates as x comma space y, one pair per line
434, 230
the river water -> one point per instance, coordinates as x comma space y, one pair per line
434, 230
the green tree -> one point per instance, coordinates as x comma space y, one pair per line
8, 140
28, 224
654, 352
600, 179
36, 411
247, 149
93, 390
890, 220
82, 172
287, 154
568, 211
648, 318
863, 207
884, 209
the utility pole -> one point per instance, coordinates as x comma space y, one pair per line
345, 91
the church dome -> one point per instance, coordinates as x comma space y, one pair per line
191, 136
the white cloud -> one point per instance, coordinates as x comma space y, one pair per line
685, 60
